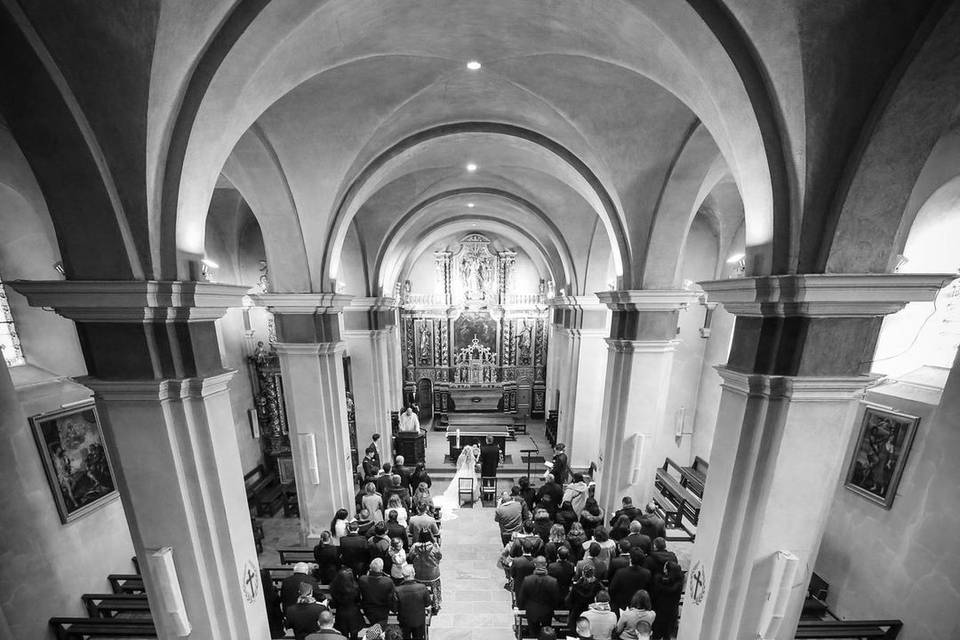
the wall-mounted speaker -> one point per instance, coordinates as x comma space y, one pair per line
171, 604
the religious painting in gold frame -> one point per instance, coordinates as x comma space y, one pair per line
72, 451
880, 454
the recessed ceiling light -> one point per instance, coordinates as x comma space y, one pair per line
470, 205
471, 167
473, 65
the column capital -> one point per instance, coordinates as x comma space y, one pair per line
579, 312
369, 313
824, 295
309, 348
158, 390
642, 346
796, 388
302, 303
648, 299
132, 301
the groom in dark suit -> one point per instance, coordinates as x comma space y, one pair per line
489, 459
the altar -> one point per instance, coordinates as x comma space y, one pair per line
468, 429
476, 398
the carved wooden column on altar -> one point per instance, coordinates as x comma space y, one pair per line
271, 411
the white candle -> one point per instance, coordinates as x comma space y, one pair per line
458, 438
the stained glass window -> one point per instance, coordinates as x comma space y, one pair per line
9, 341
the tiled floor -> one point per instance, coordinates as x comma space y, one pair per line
475, 604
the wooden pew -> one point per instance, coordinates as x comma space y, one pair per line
669, 511
126, 583
85, 628
559, 623
694, 477
264, 493
110, 605
837, 629
670, 486
293, 555
815, 604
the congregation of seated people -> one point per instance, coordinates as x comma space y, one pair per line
615, 576
385, 560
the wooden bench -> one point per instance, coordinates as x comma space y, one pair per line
694, 477
520, 425
293, 555
815, 604
126, 583
110, 605
685, 500
84, 628
668, 511
837, 629
559, 622
278, 574
264, 492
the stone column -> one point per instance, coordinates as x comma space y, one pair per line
151, 349
311, 361
580, 325
801, 349
634, 427
370, 332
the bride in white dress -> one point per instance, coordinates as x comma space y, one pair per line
449, 500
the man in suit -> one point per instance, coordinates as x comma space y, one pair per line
489, 458
628, 581
539, 595
376, 593
302, 615
553, 489
637, 538
384, 481
326, 632
423, 522
626, 509
621, 561
659, 557
562, 570
411, 600
353, 550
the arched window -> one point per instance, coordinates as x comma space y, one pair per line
9, 341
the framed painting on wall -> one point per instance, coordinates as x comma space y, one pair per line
77, 464
880, 454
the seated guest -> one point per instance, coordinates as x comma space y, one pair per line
394, 505
421, 522
629, 580
354, 553
326, 632
376, 593
411, 600
509, 515
653, 525
327, 556
338, 526
302, 616
401, 493
576, 537
659, 557
637, 539
552, 489
420, 476
635, 620
582, 629
425, 558
372, 502
557, 539
602, 618
565, 515
591, 516
364, 523
345, 599
370, 465
607, 546
620, 561
667, 590
593, 560
384, 481
378, 545
575, 492
527, 493
421, 496
290, 587
398, 560
542, 524
539, 595
402, 470
583, 591
626, 509
620, 528
563, 571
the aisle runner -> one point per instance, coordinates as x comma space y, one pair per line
475, 604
